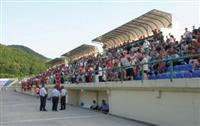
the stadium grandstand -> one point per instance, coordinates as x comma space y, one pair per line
57, 62
126, 48
137, 57
81, 51
5, 83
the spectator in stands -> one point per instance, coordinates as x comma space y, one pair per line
189, 37
186, 33
96, 74
146, 45
125, 63
105, 72
171, 39
194, 32
182, 40
198, 38
146, 68
37, 90
101, 74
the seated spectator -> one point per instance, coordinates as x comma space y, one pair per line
94, 105
82, 104
104, 107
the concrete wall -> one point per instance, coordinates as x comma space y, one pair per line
75, 97
102, 95
159, 102
87, 97
169, 109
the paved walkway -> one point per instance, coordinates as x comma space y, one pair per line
23, 110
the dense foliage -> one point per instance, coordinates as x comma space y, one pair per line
20, 61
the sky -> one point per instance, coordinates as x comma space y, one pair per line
54, 27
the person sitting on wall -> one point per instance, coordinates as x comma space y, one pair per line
104, 107
82, 104
94, 105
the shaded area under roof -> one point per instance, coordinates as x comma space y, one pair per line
134, 29
56, 61
80, 51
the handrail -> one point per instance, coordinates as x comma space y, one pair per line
170, 61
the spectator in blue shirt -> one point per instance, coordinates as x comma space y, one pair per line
63, 98
104, 107
43, 95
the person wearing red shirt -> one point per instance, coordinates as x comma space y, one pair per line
58, 80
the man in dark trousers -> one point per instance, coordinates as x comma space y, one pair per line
63, 98
55, 98
43, 94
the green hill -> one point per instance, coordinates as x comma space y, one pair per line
20, 61
29, 51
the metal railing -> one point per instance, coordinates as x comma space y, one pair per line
169, 62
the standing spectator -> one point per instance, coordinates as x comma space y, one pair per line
37, 90
146, 68
63, 98
101, 74
96, 73
146, 44
194, 32
105, 72
58, 79
43, 94
125, 62
55, 97
198, 38
186, 33
189, 38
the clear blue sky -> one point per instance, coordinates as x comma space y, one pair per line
53, 28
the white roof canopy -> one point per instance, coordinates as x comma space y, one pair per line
133, 30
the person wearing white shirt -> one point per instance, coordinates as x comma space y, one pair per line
186, 34
146, 44
63, 98
43, 95
55, 97
101, 74
94, 105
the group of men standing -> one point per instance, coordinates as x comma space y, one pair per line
55, 95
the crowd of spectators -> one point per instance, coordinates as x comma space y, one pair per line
107, 66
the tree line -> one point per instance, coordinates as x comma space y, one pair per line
16, 62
